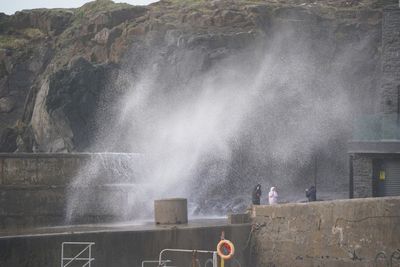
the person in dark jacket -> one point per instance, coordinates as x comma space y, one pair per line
311, 194
256, 195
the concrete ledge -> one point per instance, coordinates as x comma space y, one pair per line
374, 147
261, 210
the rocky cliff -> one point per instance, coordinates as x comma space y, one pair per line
54, 64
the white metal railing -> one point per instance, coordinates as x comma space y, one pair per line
214, 253
85, 247
163, 263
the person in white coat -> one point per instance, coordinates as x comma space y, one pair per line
273, 196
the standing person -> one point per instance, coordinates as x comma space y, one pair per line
273, 196
256, 195
311, 194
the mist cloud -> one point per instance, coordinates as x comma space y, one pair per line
260, 114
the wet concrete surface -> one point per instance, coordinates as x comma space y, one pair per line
144, 225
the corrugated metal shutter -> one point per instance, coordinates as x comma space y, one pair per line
392, 180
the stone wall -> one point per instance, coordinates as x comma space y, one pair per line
39, 169
34, 187
362, 176
382, 135
332, 233
390, 79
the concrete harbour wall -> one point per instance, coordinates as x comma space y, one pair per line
332, 233
34, 187
124, 248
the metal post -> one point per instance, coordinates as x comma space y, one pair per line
215, 259
90, 255
62, 254
182, 250
156, 261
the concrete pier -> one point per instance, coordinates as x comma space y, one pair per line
118, 245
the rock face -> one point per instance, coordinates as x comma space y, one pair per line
6, 104
57, 98
47, 21
63, 117
43, 55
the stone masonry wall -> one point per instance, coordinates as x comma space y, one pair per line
335, 233
390, 79
34, 188
362, 176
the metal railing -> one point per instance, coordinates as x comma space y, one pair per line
163, 263
85, 247
214, 254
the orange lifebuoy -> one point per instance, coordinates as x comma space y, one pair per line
225, 249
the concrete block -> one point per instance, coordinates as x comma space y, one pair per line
170, 211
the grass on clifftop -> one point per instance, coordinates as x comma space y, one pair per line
101, 5
327, 3
187, 1
92, 8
